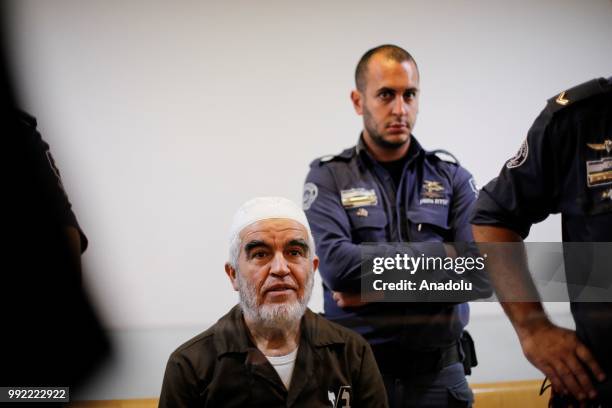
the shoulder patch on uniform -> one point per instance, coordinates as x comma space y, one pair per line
474, 186
311, 191
445, 155
577, 93
520, 156
344, 155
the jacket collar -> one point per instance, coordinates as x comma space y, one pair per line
414, 151
231, 333
318, 331
232, 336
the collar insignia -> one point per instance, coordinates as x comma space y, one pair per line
561, 100
606, 145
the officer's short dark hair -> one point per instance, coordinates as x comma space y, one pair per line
392, 52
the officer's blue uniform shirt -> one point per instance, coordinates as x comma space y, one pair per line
564, 166
351, 199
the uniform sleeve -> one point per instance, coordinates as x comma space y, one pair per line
370, 388
465, 194
178, 385
527, 189
52, 189
340, 258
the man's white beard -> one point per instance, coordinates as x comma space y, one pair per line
275, 316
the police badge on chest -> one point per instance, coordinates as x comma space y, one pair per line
432, 192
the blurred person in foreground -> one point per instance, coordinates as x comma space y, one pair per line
51, 335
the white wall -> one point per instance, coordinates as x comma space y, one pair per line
165, 116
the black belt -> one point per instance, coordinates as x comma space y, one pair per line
400, 361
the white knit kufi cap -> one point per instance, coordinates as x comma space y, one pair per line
264, 208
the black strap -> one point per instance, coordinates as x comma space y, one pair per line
401, 362
468, 350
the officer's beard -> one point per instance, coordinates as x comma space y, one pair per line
385, 144
371, 126
275, 316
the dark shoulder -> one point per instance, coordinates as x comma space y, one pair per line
343, 157
577, 96
26, 126
202, 349
444, 162
441, 156
189, 370
26, 120
26, 131
448, 165
571, 105
198, 348
325, 332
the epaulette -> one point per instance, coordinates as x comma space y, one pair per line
577, 93
345, 155
26, 118
444, 155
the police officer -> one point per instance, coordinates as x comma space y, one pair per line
564, 166
389, 189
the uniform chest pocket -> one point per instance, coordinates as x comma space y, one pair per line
368, 224
431, 225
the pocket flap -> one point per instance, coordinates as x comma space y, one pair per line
367, 217
437, 217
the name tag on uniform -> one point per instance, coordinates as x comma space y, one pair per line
358, 197
599, 172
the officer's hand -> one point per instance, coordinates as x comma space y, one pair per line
347, 299
559, 354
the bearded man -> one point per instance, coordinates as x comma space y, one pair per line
271, 350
